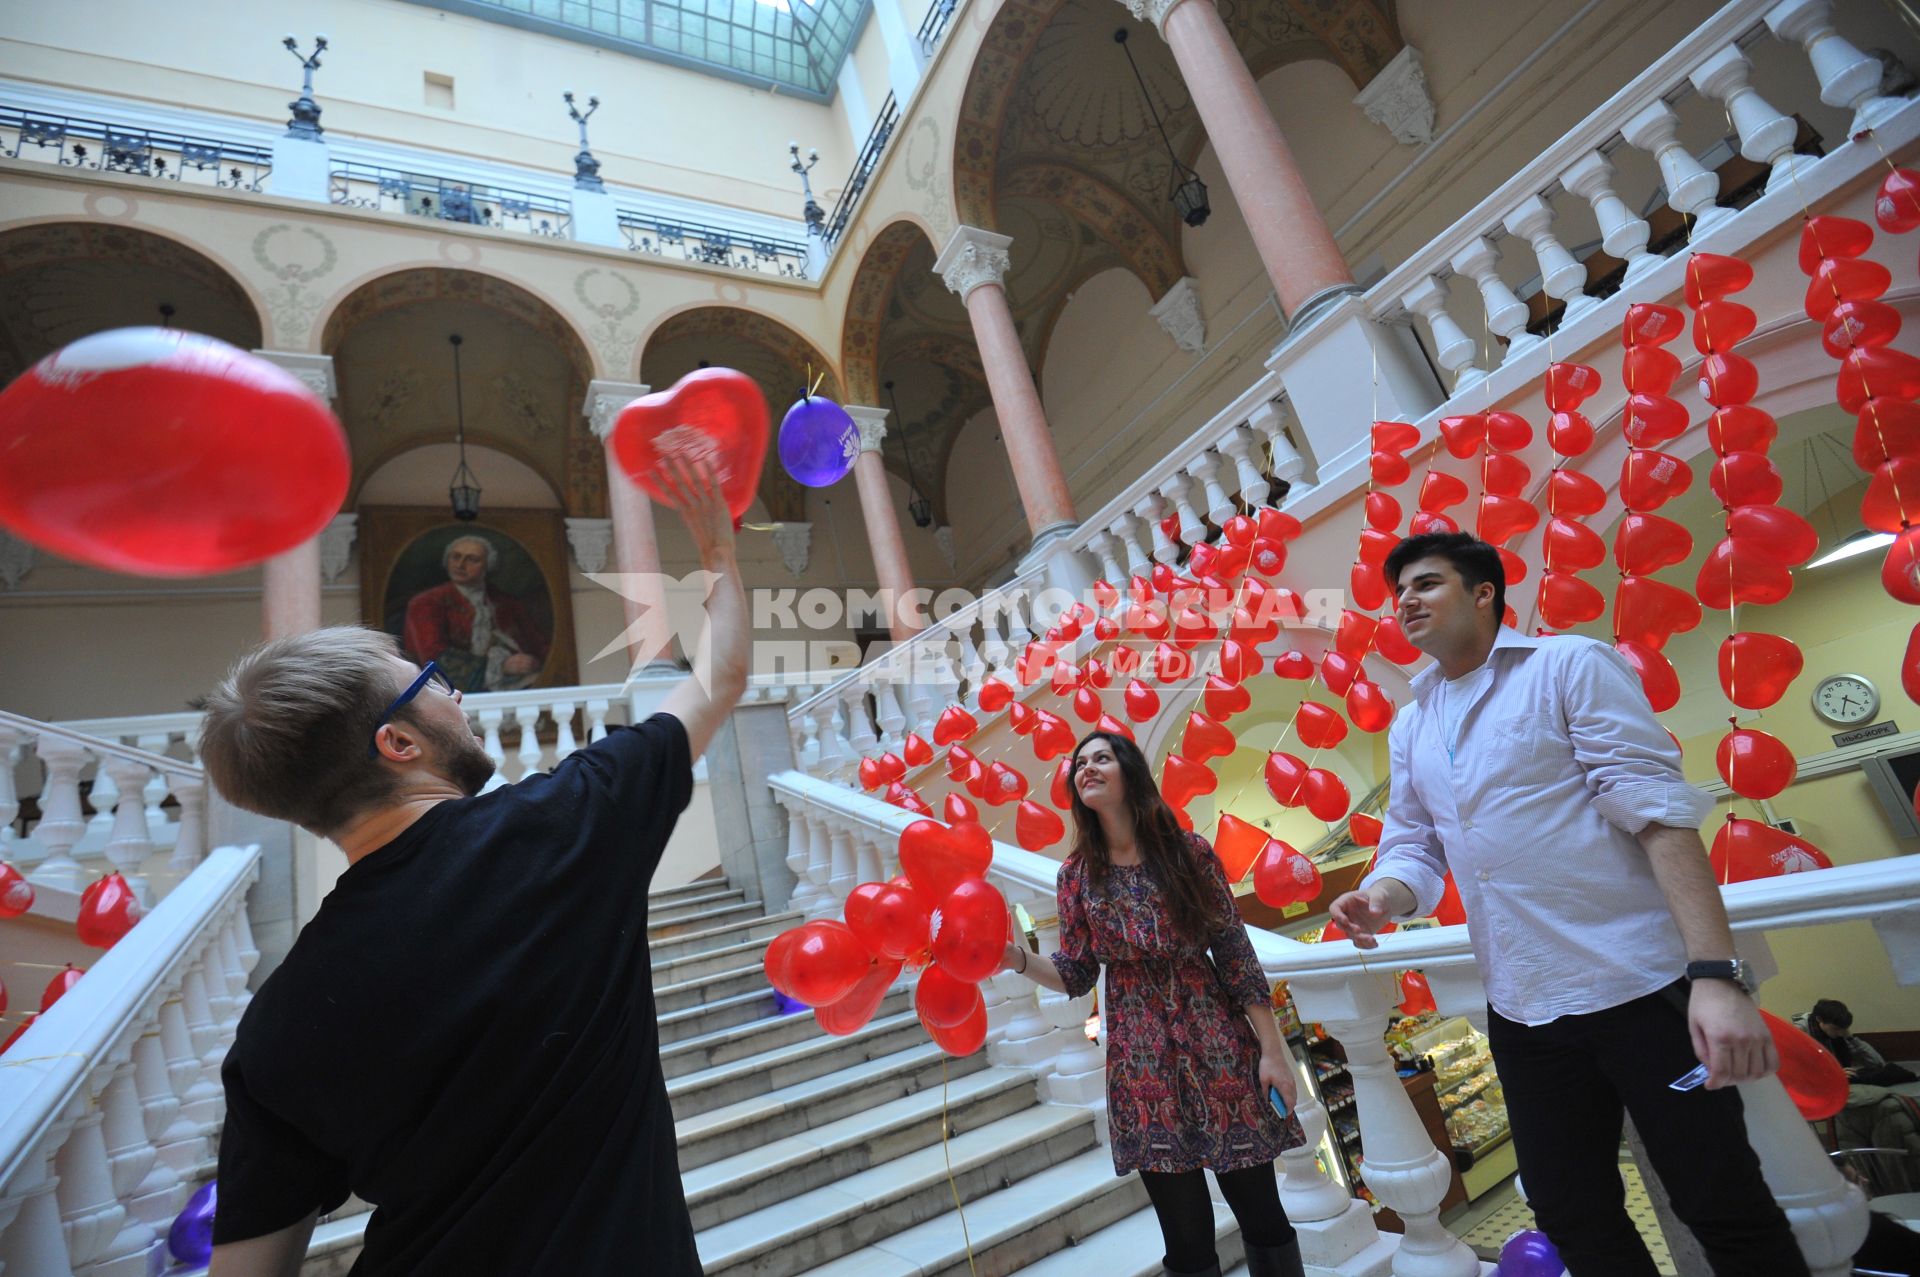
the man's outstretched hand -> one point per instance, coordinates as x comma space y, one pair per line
702, 505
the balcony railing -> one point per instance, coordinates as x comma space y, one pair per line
934, 25
76, 142
448, 199
863, 167
712, 245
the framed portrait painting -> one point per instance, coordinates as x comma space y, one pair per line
488, 600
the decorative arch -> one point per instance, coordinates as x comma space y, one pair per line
747, 325
412, 285
1117, 220
866, 311
63, 280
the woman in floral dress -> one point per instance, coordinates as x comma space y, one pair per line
1191, 1042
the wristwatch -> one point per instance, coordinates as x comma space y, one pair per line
1723, 969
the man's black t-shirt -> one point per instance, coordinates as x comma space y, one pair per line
464, 1035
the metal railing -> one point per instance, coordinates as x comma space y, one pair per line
863, 167
111, 147
935, 24
712, 245
449, 199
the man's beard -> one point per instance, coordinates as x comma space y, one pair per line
462, 760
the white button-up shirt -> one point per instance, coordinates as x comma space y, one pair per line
1530, 778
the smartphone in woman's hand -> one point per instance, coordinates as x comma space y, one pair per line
1274, 1098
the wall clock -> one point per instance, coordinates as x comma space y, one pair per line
1846, 700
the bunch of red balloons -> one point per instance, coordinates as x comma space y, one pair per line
1569, 546
940, 917
1877, 384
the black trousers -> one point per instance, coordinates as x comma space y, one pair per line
1185, 1212
1566, 1083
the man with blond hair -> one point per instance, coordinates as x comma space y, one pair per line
464, 1035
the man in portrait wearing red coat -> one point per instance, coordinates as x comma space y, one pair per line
483, 638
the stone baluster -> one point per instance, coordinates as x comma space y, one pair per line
806, 893
190, 839
157, 1198
1766, 136
32, 1240
1848, 78
235, 965
1453, 349
837, 758
529, 753
1403, 1169
1828, 1215
1019, 623
1080, 1068
90, 1211
130, 1155
820, 867
1206, 468
1622, 234
860, 733
157, 784
893, 720
1178, 489
490, 720
11, 739
1284, 461
224, 983
845, 874
200, 1097
807, 747
564, 741
973, 667
204, 1031
597, 720
131, 841
928, 688
1307, 1192
1238, 445
62, 822
1691, 189
1561, 276
994, 648
103, 796
243, 938
867, 853
1106, 547
1148, 510
1506, 313
1139, 558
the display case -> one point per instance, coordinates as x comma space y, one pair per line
1471, 1102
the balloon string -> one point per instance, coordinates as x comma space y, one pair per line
947, 1153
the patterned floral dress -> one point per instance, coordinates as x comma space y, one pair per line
1183, 1087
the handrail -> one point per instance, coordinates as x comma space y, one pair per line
99, 745
934, 24
66, 1042
131, 148
711, 245
863, 166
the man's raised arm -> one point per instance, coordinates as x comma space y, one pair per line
721, 657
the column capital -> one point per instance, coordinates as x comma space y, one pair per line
872, 423
605, 399
336, 545
973, 257
314, 371
591, 540
1399, 101
1154, 11
795, 543
1179, 316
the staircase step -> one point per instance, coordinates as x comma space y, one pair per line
680, 906
1131, 1248
744, 977
687, 967
698, 887
807, 1105
813, 1228
704, 918
753, 1034
757, 1074
726, 935
763, 1175
713, 1017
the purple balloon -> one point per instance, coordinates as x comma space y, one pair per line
191, 1237
818, 442
1528, 1253
784, 1005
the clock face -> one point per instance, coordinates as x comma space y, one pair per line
1846, 700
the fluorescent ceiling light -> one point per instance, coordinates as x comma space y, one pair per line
1859, 543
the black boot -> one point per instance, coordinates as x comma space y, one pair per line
1211, 1270
1275, 1261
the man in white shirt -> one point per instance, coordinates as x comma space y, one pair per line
1534, 769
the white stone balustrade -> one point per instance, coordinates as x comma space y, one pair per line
97, 1153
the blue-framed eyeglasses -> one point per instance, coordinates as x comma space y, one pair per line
429, 673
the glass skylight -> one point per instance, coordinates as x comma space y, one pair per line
795, 46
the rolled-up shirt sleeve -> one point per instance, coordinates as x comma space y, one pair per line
1632, 765
1410, 848
1074, 959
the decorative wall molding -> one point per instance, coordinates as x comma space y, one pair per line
1399, 99
973, 257
795, 541
592, 541
1178, 314
315, 372
943, 537
605, 399
336, 546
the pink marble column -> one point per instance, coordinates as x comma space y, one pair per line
974, 265
1292, 238
883, 522
636, 546
290, 582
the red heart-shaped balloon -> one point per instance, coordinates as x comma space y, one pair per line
1319, 726
1285, 775
1239, 661
857, 1006
1354, 634
1845, 279
1389, 469
1141, 701
1034, 663
1104, 594
1426, 521
1775, 532
1645, 543
1897, 206
1367, 586
1170, 664
1463, 435
995, 695
1182, 780
1066, 677
1814, 1080
58, 986
1059, 792
1325, 795
1735, 572
1900, 570
1719, 326
1277, 526
935, 857
1503, 518
1508, 431
1416, 995
1745, 478
959, 759
1391, 642
1649, 370
1893, 496
1711, 276
1857, 324
715, 415
1394, 436
1440, 491
1649, 611
943, 1000
957, 809
964, 1038
1570, 385
1741, 428
954, 724
1728, 379
1756, 668
1650, 324
870, 774
972, 940
1052, 737
1744, 850
1648, 479
1572, 546
1237, 843
108, 910
1267, 556
1574, 494
1020, 715
892, 922
1224, 699
16, 893
1755, 764
1364, 829
1383, 511
166, 453
1087, 707
915, 750
1204, 738
1877, 370
1657, 677
1240, 530
1283, 877
1829, 236
825, 962
1570, 433
1368, 706
907, 799
1651, 420
1567, 601
1505, 475
1113, 727
1294, 665
1910, 674
1337, 671
1192, 628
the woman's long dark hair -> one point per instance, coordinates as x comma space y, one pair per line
1163, 844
